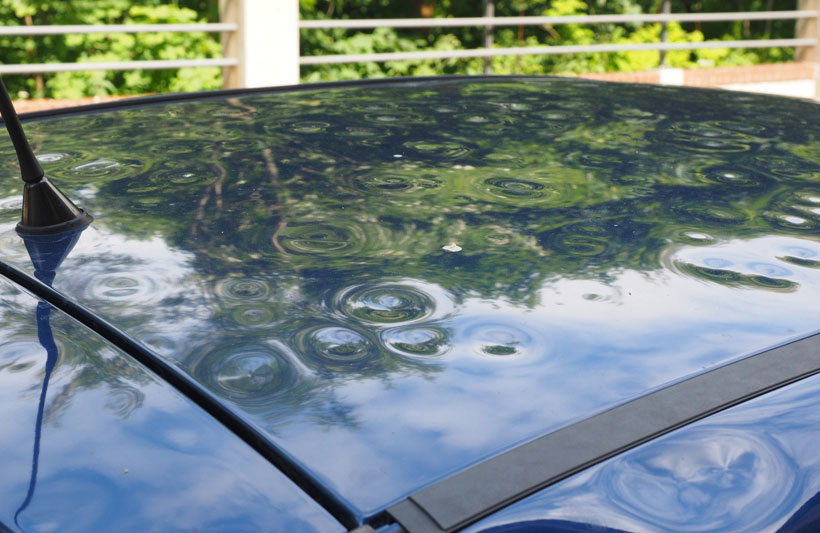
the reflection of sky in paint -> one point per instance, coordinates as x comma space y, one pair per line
275, 248
129, 274
120, 449
473, 402
753, 467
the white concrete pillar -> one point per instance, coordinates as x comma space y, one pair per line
266, 42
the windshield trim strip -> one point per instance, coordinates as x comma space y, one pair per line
465, 497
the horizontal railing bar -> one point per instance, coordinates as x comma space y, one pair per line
550, 50
118, 65
572, 19
117, 28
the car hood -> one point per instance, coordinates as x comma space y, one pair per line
394, 281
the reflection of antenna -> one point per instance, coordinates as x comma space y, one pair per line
45, 209
47, 341
47, 252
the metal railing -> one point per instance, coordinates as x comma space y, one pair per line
551, 50
260, 39
538, 21
34, 68
560, 49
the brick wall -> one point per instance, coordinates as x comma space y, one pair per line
712, 77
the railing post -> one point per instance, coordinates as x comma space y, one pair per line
231, 41
665, 9
489, 11
810, 29
266, 42
807, 29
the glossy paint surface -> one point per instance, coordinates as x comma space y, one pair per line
753, 468
106, 446
396, 282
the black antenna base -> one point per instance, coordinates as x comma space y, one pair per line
47, 211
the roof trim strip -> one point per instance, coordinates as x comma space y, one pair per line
478, 491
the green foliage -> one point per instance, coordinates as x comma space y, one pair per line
108, 47
379, 41
120, 47
340, 42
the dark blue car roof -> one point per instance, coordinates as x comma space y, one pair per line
392, 283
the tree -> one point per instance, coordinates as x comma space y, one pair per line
384, 40
121, 47
108, 47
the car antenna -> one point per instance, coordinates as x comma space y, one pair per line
46, 210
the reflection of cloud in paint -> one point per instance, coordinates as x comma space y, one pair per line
118, 275
510, 371
648, 329
125, 472
749, 468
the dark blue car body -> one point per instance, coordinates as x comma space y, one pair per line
397, 304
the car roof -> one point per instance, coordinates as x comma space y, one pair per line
393, 282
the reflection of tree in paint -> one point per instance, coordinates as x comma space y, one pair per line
296, 194
295, 252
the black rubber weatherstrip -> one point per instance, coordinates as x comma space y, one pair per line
187, 386
472, 494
